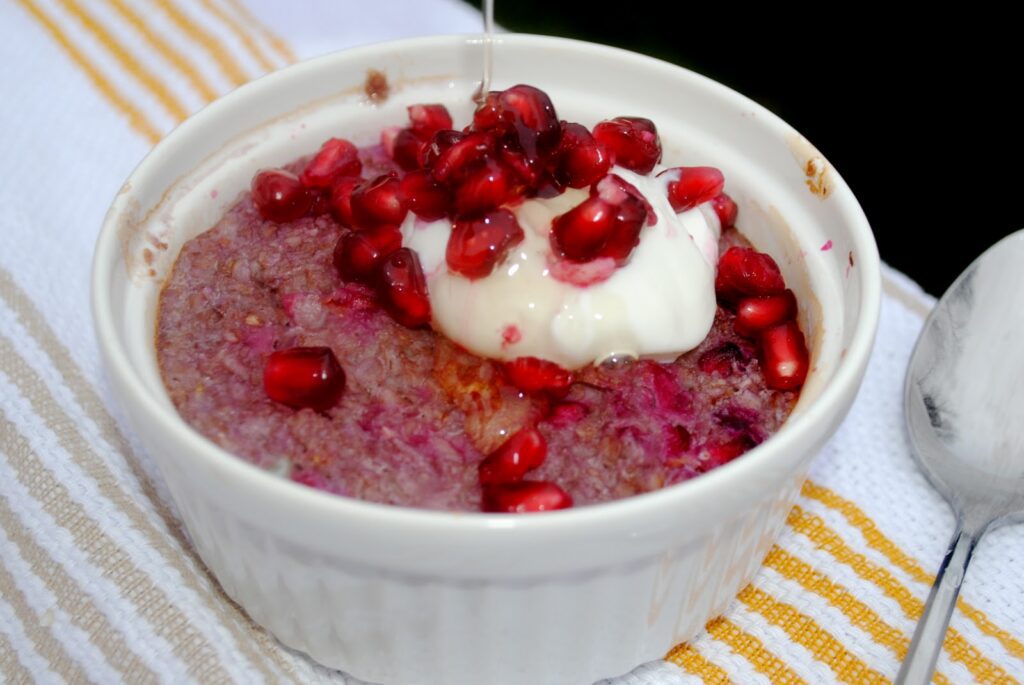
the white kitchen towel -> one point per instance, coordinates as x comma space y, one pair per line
99, 582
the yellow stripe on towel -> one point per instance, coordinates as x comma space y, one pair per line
166, 50
754, 651
814, 529
804, 631
691, 661
879, 542
240, 33
276, 42
130, 63
136, 119
227, 64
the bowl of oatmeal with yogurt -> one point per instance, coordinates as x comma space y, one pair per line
402, 357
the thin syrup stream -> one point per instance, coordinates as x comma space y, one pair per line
485, 82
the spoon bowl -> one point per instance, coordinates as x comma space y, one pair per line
963, 402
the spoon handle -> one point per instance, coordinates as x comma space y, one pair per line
931, 629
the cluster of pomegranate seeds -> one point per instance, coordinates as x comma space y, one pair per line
750, 284
502, 476
304, 377
517, 148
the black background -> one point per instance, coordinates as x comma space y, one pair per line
917, 112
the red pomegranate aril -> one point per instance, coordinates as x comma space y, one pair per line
522, 452
341, 200
524, 497
402, 288
280, 196
462, 154
534, 376
406, 149
358, 253
439, 143
304, 377
476, 246
754, 314
629, 221
784, 357
336, 158
377, 201
426, 120
743, 272
726, 210
526, 168
526, 108
632, 142
425, 197
580, 234
486, 186
582, 160
617, 190
693, 185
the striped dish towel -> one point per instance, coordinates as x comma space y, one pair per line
98, 581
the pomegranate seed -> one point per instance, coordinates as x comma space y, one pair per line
632, 142
437, 145
529, 110
427, 120
341, 200
784, 358
485, 187
280, 196
488, 114
743, 272
617, 190
525, 497
629, 221
522, 452
580, 234
582, 160
337, 157
406, 149
726, 210
403, 288
304, 377
377, 202
425, 197
754, 314
534, 376
527, 168
723, 360
476, 246
693, 185
462, 154
358, 253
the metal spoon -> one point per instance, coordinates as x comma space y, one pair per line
964, 407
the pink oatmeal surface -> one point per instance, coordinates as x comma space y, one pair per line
418, 413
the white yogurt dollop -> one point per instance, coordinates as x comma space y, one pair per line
660, 304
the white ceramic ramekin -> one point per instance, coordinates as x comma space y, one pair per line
406, 596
